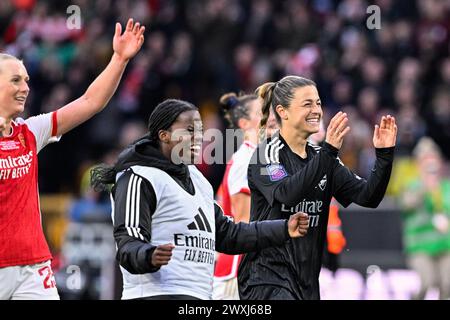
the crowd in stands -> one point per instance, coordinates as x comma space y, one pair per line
198, 49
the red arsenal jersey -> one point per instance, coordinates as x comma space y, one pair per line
234, 181
22, 240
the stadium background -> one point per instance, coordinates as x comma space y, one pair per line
199, 49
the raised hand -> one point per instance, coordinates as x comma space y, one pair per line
337, 129
126, 45
298, 225
162, 255
385, 134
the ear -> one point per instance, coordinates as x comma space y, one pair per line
282, 112
243, 123
164, 136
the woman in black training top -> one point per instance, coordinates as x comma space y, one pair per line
167, 226
287, 174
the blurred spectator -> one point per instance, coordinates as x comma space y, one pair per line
411, 129
426, 203
92, 206
437, 116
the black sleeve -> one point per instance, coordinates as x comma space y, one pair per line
134, 204
290, 190
237, 238
348, 187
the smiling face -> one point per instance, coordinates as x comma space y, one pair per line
304, 112
184, 138
13, 87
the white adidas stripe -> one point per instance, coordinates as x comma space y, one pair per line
273, 148
272, 152
132, 212
268, 151
127, 206
132, 209
138, 208
277, 154
112, 207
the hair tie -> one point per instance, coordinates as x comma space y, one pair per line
232, 102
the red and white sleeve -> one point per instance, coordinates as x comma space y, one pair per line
44, 128
237, 179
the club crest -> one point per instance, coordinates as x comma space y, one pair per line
323, 183
22, 139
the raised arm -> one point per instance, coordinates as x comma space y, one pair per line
100, 91
291, 190
348, 187
274, 183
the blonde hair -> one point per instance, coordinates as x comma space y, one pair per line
5, 56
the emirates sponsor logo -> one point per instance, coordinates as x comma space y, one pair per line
198, 248
309, 207
15, 167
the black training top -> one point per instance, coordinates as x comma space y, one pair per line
282, 183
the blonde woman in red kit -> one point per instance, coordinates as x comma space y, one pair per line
25, 271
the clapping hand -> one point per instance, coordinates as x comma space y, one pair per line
385, 134
337, 129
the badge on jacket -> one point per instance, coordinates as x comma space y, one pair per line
276, 172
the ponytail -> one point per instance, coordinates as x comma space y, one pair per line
265, 92
102, 177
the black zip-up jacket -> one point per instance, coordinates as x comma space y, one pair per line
134, 252
281, 183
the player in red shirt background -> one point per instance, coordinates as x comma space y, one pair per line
25, 271
243, 113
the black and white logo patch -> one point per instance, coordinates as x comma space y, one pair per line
323, 183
